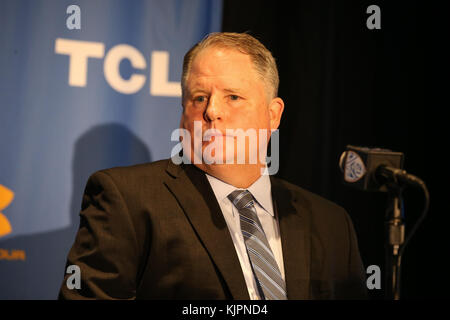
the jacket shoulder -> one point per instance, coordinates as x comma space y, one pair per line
139, 171
130, 180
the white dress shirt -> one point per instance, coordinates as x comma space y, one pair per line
261, 191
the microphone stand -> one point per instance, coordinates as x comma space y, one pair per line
395, 228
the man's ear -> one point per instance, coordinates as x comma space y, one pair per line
276, 108
182, 120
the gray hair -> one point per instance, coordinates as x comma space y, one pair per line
262, 58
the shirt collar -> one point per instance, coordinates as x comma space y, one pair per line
260, 189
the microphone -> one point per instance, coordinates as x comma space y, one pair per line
379, 169
374, 169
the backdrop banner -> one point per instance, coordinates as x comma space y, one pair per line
84, 85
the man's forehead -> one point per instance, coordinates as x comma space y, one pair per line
226, 84
216, 61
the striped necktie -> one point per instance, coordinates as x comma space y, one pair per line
265, 268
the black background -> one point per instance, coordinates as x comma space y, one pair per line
345, 84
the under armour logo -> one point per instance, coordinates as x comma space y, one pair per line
6, 197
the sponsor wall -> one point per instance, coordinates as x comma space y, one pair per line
84, 85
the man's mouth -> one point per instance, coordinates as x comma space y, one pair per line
210, 133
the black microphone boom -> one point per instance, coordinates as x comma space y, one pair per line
385, 174
382, 170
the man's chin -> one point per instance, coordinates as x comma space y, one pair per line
223, 165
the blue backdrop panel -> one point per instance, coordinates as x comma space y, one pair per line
73, 101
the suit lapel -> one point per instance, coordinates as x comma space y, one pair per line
294, 221
192, 190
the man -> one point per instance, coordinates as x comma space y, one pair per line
215, 229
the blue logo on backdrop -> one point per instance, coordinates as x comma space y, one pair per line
81, 90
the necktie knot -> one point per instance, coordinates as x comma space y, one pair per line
241, 198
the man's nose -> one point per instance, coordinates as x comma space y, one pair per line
213, 110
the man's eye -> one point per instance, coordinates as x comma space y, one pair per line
234, 97
200, 99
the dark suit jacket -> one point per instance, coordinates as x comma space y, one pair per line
156, 231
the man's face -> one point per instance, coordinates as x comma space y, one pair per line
223, 91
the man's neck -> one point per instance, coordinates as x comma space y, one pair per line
238, 175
